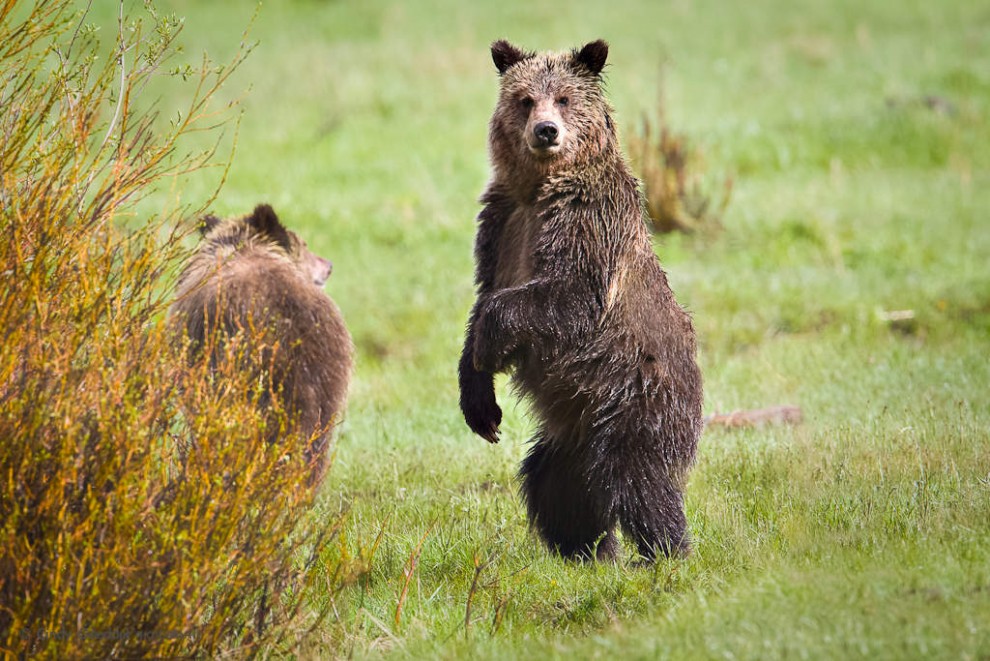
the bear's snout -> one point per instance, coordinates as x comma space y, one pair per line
546, 134
320, 270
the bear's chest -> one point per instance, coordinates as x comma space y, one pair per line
517, 249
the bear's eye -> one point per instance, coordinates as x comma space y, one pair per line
526, 102
563, 101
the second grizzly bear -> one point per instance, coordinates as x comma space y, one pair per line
572, 300
252, 276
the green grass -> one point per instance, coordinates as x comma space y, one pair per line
864, 532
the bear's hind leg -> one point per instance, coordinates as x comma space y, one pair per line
608, 548
653, 516
562, 506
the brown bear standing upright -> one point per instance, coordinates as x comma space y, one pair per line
253, 276
572, 300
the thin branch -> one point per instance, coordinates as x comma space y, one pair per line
408, 574
123, 76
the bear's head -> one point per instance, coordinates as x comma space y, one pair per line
551, 110
262, 228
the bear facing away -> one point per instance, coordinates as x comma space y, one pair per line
573, 302
252, 273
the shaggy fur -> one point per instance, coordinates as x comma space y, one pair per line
252, 273
573, 302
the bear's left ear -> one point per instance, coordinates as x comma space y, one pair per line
593, 56
267, 224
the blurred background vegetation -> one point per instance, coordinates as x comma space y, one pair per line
856, 136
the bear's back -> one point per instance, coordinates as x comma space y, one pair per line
302, 336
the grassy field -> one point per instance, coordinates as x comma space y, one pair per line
857, 134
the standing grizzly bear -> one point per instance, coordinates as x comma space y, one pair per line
572, 300
251, 276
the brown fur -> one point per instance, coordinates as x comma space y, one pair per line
252, 273
573, 302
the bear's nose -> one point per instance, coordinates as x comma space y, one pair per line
546, 133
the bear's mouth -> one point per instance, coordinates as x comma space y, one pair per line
544, 150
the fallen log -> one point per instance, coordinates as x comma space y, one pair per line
774, 415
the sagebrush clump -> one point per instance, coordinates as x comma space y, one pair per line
680, 197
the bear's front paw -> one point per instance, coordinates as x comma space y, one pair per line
481, 412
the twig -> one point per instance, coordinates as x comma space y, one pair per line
479, 567
408, 573
503, 601
123, 77
381, 625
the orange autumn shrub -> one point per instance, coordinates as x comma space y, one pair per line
142, 512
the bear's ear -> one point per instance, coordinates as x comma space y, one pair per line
592, 56
267, 224
504, 55
207, 223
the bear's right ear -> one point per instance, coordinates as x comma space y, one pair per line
504, 55
207, 223
267, 224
